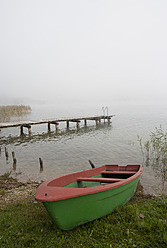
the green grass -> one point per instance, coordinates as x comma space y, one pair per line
142, 222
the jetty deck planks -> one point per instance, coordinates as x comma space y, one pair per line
55, 121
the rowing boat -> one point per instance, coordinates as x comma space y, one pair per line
80, 197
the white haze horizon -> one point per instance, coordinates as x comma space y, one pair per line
83, 52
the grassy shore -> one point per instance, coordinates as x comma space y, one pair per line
13, 111
142, 222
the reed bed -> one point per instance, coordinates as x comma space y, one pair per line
9, 112
154, 153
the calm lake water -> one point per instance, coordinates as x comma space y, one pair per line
68, 151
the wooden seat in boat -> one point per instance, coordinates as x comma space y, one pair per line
101, 179
119, 172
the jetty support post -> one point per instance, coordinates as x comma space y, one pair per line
21, 130
48, 126
97, 121
78, 122
57, 126
27, 126
85, 121
68, 124
109, 120
29, 129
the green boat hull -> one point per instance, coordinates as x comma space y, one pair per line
73, 212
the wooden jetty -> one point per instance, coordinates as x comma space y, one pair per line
55, 121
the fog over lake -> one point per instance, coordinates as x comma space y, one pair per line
83, 51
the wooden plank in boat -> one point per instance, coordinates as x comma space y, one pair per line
119, 172
102, 180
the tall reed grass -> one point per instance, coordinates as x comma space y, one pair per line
154, 153
13, 111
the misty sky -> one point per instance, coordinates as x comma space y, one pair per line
83, 50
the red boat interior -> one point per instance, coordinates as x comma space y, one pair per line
87, 182
110, 175
90, 178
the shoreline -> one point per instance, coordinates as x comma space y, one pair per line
13, 191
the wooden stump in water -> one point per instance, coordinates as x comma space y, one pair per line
14, 158
41, 164
6, 153
93, 166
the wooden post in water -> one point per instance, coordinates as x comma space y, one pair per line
14, 161
13, 156
41, 164
6, 153
93, 166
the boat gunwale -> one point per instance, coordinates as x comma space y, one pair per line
47, 192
